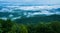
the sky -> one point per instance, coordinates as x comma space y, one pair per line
33, 2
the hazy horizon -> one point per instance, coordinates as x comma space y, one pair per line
30, 2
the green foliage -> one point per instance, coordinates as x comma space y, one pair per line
31, 28
39, 18
8, 26
23, 29
44, 28
56, 26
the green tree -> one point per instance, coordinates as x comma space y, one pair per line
6, 26
56, 26
43, 28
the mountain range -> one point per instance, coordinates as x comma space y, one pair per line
28, 11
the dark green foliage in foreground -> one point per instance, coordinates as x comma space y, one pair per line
9, 26
5, 26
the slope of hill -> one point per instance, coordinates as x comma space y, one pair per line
36, 19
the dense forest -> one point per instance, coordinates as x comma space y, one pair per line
36, 24
38, 18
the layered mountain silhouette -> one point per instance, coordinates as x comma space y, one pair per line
27, 11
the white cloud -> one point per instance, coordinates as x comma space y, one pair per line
38, 7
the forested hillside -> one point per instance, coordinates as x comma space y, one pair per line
8, 26
38, 18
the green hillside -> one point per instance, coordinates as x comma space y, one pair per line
36, 19
8, 26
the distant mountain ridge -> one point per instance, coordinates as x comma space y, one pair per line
18, 11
